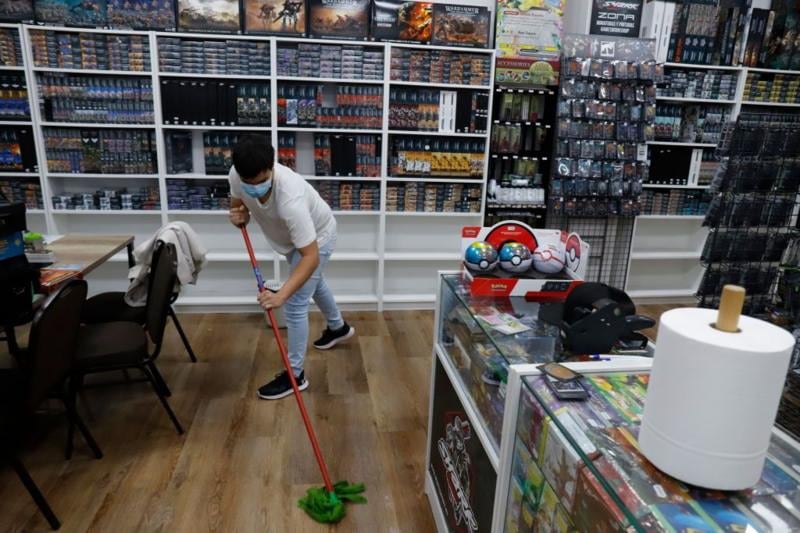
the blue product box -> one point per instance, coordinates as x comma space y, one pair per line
11, 245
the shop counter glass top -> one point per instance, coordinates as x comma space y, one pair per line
577, 465
481, 354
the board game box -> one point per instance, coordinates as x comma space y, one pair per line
398, 20
142, 14
339, 19
209, 15
455, 25
275, 17
16, 10
72, 12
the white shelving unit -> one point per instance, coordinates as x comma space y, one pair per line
383, 259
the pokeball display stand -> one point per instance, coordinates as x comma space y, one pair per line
532, 285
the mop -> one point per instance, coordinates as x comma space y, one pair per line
323, 504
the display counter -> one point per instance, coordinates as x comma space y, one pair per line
505, 455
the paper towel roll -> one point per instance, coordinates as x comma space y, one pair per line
712, 398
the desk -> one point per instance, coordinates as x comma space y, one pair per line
88, 251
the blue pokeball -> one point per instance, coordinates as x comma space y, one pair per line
480, 257
515, 257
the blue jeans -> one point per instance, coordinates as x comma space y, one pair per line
296, 307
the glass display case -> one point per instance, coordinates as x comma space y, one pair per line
577, 466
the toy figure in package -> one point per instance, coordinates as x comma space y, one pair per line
281, 17
207, 15
16, 10
142, 14
72, 12
455, 25
339, 19
398, 20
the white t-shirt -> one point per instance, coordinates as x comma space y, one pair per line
294, 215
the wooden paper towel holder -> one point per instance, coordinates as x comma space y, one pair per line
730, 309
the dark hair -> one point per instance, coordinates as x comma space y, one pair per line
253, 154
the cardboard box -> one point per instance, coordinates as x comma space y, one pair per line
530, 284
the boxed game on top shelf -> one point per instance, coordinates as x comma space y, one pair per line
96, 51
513, 259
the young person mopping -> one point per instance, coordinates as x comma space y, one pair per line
299, 225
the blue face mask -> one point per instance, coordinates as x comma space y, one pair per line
257, 191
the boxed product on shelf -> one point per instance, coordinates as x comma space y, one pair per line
215, 102
23, 190
690, 123
201, 195
96, 51
418, 197
339, 19
347, 155
766, 87
675, 202
218, 151
543, 264
440, 66
10, 48
313, 60
417, 109
142, 14
349, 195
178, 147
222, 17
102, 151
91, 13
287, 150
17, 152
707, 84
274, 17
460, 25
400, 20
419, 156
213, 56
119, 199
337, 107
14, 103
73, 98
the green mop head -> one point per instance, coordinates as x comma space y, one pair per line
328, 507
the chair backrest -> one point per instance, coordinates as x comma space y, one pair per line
163, 273
53, 339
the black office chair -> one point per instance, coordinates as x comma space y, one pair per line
110, 346
111, 307
43, 370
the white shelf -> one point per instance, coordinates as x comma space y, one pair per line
436, 180
18, 174
441, 85
680, 143
514, 156
106, 212
343, 131
773, 71
100, 176
341, 178
408, 298
770, 104
437, 133
353, 212
429, 214
70, 29
659, 186
657, 256
694, 100
213, 36
328, 80
521, 90
97, 125
422, 256
672, 217
84, 71
214, 127
202, 76
461, 49
211, 212
346, 42
11, 68
661, 293
34, 211
702, 67
521, 122
16, 123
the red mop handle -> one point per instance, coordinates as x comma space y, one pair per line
306, 420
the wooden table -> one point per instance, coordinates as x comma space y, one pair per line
88, 251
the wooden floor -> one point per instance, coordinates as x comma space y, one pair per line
244, 462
